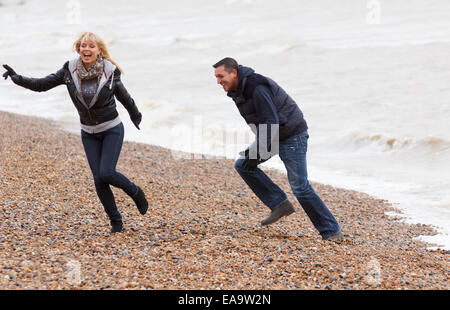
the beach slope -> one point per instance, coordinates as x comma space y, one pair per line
202, 230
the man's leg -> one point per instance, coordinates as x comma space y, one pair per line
263, 187
293, 154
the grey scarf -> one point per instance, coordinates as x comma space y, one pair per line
95, 71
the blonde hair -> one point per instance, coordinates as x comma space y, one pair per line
84, 36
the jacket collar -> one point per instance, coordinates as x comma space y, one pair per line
108, 71
243, 73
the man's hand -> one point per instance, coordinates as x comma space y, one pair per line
250, 164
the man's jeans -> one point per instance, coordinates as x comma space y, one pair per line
293, 154
102, 151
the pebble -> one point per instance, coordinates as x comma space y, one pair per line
202, 230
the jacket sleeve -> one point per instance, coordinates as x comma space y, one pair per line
41, 84
267, 131
123, 96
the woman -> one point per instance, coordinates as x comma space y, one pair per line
93, 79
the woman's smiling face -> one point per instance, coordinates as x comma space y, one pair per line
89, 51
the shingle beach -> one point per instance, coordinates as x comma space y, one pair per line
202, 230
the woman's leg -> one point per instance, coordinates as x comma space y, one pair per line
93, 147
111, 147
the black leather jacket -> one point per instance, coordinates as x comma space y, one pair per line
104, 108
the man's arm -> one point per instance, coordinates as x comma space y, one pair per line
266, 143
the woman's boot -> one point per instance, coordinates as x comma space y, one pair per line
141, 201
116, 226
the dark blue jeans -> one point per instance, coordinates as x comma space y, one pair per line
293, 154
102, 151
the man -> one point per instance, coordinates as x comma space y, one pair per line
280, 128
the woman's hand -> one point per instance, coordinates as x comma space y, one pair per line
9, 72
137, 120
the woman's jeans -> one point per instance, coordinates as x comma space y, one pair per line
102, 151
293, 154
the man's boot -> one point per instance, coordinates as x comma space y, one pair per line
284, 209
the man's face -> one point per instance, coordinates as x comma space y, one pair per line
228, 80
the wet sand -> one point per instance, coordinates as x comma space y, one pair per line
202, 230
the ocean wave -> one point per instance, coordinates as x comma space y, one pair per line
11, 2
391, 143
272, 49
363, 43
163, 114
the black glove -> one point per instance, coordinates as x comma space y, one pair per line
250, 164
137, 120
9, 72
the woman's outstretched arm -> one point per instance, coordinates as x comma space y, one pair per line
41, 84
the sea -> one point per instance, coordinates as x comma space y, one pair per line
372, 78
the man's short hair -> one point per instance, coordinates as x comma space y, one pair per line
228, 63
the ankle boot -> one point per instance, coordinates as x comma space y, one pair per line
116, 226
141, 201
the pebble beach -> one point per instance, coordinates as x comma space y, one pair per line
202, 229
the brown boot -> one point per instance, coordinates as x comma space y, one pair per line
284, 209
336, 237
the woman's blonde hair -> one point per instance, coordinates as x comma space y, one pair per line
84, 36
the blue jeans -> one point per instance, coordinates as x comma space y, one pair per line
102, 151
293, 155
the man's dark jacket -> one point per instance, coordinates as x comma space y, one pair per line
261, 100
